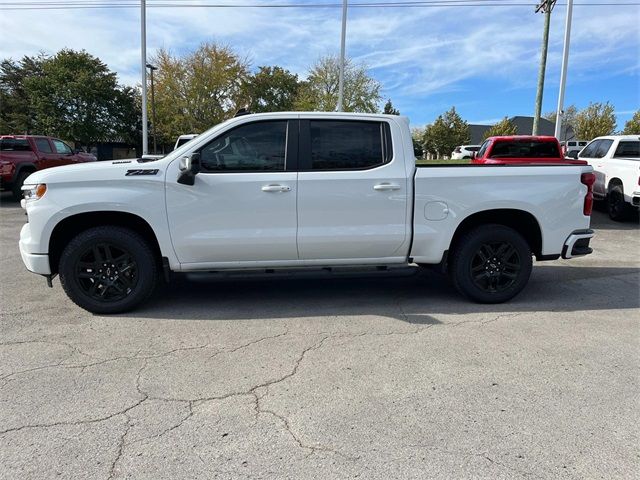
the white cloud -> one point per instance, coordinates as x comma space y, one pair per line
414, 52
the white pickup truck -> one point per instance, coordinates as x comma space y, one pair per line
616, 163
292, 190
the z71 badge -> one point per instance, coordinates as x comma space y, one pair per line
142, 171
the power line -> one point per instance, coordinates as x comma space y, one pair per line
84, 5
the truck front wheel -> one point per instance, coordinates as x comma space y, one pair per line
108, 269
617, 208
491, 264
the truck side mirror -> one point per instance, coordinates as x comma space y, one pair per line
573, 154
189, 167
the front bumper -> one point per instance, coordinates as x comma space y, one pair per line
35, 262
577, 244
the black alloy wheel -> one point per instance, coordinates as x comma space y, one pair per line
495, 266
106, 272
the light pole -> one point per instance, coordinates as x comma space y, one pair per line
563, 71
340, 106
143, 54
153, 108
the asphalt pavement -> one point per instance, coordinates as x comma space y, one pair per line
387, 377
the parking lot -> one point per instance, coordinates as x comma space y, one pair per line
320, 377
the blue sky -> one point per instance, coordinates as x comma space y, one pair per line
483, 60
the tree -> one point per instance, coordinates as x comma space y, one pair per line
417, 136
320, 91
632, 127
596, 120
389, 109
503, 127
568, 119
447, 132
16, 113
76, 97
271, 89
199, 90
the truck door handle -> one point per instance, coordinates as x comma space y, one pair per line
386, 186
276, 188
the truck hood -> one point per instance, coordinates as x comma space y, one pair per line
97, 171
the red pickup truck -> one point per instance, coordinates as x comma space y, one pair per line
522, 149
21, 155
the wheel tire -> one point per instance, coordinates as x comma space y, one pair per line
80, 268
617, 208
479, 276
16, 190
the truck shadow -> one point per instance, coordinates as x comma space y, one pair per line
410, 298
600, 220
7, 201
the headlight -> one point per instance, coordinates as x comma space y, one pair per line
34, 192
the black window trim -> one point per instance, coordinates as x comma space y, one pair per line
290, 148
304, 147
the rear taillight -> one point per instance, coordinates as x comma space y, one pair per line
588, 179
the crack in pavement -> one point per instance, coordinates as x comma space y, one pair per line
485, 322
112, 469
233, 350
135, 356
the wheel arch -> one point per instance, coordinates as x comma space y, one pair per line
521, 221
614, 182
75, 224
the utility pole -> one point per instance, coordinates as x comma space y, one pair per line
563, 71
546, 6
153, 109
143, 54
340, 106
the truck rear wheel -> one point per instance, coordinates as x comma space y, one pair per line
491, 264
108, 269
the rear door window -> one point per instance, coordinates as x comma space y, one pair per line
628, 149
348, 145
43, 145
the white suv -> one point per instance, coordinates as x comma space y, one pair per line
616, 162
464, 152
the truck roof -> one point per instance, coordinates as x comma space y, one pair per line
537, 138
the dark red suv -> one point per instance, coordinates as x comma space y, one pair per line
21, 155
522, 149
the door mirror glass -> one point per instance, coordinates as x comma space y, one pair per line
573, 154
